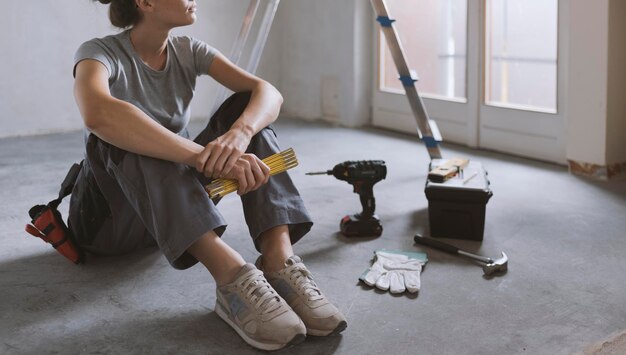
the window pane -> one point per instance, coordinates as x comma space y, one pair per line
521, 53
434, 37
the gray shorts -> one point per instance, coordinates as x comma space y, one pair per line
124, 201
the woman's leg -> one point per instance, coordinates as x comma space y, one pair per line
277, 203
173, 209
294, 282
244, 298
222, 261
149, 200
275, 246
276, 218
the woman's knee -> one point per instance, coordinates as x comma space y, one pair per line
264, 143
231, 110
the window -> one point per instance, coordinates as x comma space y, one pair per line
434, 36
521, 54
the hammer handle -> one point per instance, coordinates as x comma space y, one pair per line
435, 244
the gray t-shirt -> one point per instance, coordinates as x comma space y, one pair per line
163, 95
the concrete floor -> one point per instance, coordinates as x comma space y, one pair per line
565, 237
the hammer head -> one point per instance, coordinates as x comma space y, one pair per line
499, 264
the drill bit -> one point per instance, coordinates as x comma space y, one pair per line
329, 172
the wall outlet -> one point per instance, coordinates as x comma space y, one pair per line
330, 98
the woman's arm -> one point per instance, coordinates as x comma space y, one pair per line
122, 124
220, 156
127, 127
265, 102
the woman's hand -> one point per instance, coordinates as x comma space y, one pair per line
220, 156
250, 173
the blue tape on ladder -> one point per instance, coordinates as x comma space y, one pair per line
407, 80
385, 21
430, 142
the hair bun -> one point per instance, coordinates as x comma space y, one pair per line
122, 13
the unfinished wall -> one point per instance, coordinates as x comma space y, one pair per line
587, 82
39, 39
596, 120
616, 108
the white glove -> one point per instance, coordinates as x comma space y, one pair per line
394, 272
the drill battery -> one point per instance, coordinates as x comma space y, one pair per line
356, 226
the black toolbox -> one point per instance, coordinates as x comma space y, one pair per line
456, 207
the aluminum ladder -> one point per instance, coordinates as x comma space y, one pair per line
426, 128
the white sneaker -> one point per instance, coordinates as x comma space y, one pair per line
295, 284
257, 313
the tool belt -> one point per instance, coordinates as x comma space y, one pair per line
47, 222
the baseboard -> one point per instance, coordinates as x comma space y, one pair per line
615, 171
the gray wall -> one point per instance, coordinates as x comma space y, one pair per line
587, 89
318, 54
39, 39
596, 120
326, 59
616, 105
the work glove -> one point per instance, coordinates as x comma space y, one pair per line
395, 272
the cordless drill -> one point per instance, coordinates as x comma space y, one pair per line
362, 175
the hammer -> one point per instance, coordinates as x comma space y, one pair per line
490, 265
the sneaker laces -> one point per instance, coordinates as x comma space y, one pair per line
260, 293
303, 280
